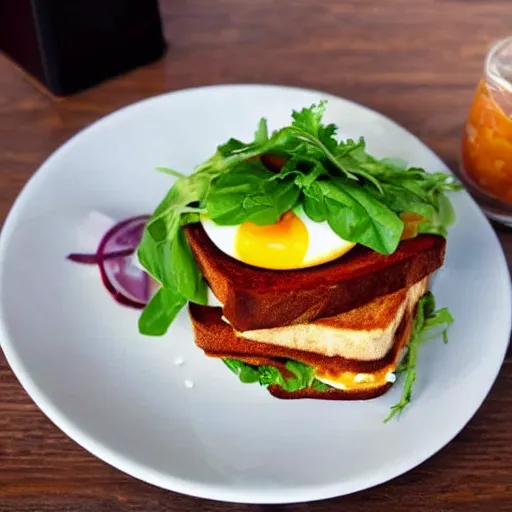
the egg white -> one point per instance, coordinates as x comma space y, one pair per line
323, 245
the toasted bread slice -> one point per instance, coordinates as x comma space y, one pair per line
366, 333
359, 379
256, 298
331, 394
218, 339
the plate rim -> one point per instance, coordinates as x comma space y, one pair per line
180, 485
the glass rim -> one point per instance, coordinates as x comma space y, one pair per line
492, 73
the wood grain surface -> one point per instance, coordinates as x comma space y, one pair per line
415, 61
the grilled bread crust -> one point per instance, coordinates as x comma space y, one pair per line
256, 298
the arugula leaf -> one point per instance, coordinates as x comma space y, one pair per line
228, 156
187, 276
160, 312
230, 147
172, 264
428, 305
307, 127
427, 318
171, 172
401, 200
233, 364
267, 375
248, 193
320, 386
153, 252
261, 134
304, 376
445, 211
303, 181
354, 214
397, 163
309, 120
425, 197
165, 254
304, 168
249, 374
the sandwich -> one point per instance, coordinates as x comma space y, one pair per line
304, 261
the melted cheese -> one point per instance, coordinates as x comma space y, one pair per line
352, 381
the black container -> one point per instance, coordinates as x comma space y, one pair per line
71, 45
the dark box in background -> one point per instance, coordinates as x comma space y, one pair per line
71, 45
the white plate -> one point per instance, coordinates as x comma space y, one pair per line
120, 395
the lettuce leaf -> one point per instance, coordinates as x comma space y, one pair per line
266, 375
428, 324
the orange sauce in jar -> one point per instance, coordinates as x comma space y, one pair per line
487, 142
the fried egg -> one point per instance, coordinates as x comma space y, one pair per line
294, 242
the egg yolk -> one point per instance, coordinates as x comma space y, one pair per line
279, 246
355, 380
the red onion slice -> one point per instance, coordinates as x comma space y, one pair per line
129, 284
94, 259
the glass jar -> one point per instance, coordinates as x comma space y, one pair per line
486, 163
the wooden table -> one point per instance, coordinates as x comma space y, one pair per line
417, 62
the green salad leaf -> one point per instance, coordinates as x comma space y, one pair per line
338, 182
161, 311
354, 214
428, 324
248, 193
303, 375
